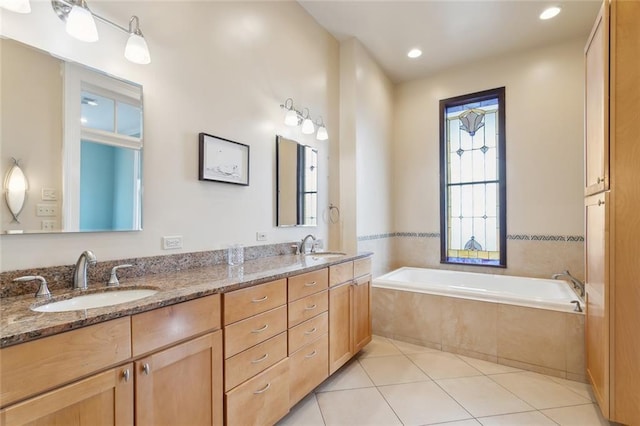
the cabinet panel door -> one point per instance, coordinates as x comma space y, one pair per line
103, 399
597, 105
361, 313
340, 324
597, 312
308, 368
182, 384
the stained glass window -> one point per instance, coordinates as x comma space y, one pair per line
473, 185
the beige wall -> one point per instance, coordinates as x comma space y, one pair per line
217, 67
366, 121
544, 109
31, 127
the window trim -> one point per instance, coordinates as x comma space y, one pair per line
502, 175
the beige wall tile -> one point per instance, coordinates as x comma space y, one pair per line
469, 325
575, 344
418, 316
533, 336
468, 353
382, 310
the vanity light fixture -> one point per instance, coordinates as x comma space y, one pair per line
550, 12
15, 187
322, 134
18, 6
80, 24
295, 117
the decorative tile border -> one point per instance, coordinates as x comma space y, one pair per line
516, 237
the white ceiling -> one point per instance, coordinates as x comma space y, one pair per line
449, 32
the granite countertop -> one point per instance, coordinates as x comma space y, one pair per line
19, 324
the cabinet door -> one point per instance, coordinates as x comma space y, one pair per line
182, 384
361, 313
597, 105
102, 399
597, 287
340, 326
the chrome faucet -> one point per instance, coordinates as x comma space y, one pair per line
577, 284
304, 242
80, 274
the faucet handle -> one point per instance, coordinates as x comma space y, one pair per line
113, 280
43, 290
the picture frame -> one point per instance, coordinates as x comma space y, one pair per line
223, 160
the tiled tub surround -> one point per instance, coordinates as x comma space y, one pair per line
540, 340
19, 324
528, 255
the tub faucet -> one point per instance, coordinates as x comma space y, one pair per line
577, 284
304, 242
80, 274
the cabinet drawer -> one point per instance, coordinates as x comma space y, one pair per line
305, 284
161, 327
308, 368
246, 333
30, 368
262, 400
304, 309
308, 331
340, 273
361, 267
241, 304
248, 363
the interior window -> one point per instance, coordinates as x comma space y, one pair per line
473, 184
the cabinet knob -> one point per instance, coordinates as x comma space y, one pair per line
126, 374
600, 202
263, 390
600, 179
146, 368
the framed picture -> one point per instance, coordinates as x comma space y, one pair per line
222, 160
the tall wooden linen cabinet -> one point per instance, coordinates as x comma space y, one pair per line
612, 209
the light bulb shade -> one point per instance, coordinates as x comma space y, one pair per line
18, 6
81, 25
307, 126
16, 186
322, 134
291, 118
136, 50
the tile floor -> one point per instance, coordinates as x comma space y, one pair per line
397, 383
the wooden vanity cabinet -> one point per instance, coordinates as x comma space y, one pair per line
349, 310
170, 371
611, 210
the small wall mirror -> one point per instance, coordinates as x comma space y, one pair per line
78, 135
296, 184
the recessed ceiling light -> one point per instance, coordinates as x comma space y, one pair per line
414, 53
550, 12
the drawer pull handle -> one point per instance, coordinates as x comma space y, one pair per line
261, 329
262, 358
312, 354
263, 390
146, 368
262, 299
126, 375
313, 330
311, 308
311, 284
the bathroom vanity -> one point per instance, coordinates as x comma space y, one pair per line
215, 345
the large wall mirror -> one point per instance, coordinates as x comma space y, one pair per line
297, 183
78, 136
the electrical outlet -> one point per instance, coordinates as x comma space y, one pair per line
46, 210
48, 225
49, 194
261, 236
172, 243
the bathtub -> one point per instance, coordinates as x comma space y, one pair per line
527, 323
532, 292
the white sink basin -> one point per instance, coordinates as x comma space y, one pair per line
326, 254
95, 300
